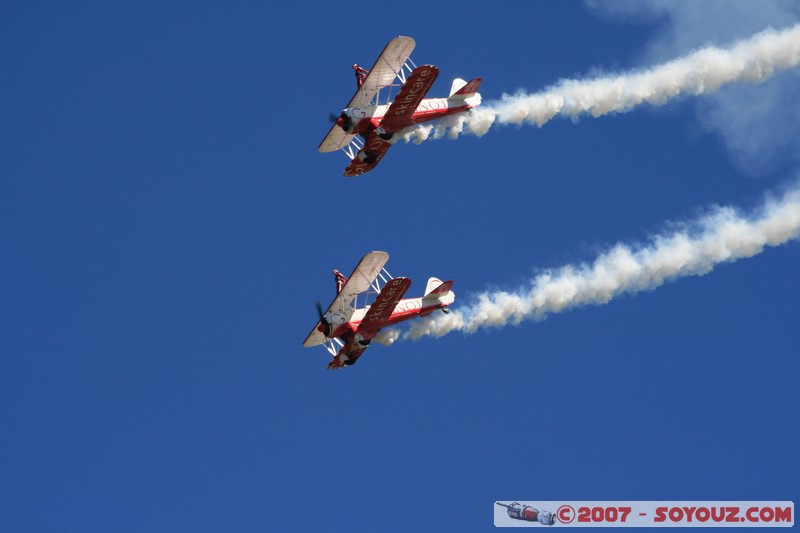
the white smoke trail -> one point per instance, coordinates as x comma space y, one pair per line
703, 71
387, 336
725, 235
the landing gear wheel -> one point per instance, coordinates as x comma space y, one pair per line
386, 136
370, 159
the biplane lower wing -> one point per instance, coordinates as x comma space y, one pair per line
369, 156
399, 114
360, 281
383, 307
347, 356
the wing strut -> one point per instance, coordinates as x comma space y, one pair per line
402, 75
333, 345
354, 147
384, 276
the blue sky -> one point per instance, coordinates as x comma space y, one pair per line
166, 225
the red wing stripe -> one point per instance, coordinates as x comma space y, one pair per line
417, 85
380, 311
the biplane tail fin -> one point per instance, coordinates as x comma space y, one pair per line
436, 288
461, 90
458, 83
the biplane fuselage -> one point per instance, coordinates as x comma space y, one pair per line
406, 309
365, 120
346, 329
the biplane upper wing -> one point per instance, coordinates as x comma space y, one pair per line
419, 82
315, 338
384, 71
362, 277
382, 74
336, 139
360, 281
383, 306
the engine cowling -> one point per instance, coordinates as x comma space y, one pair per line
351, 118
344, 122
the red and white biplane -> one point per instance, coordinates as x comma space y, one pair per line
365, 128
347, 330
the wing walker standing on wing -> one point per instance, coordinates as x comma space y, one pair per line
361, 75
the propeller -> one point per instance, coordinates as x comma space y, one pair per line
322, 319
